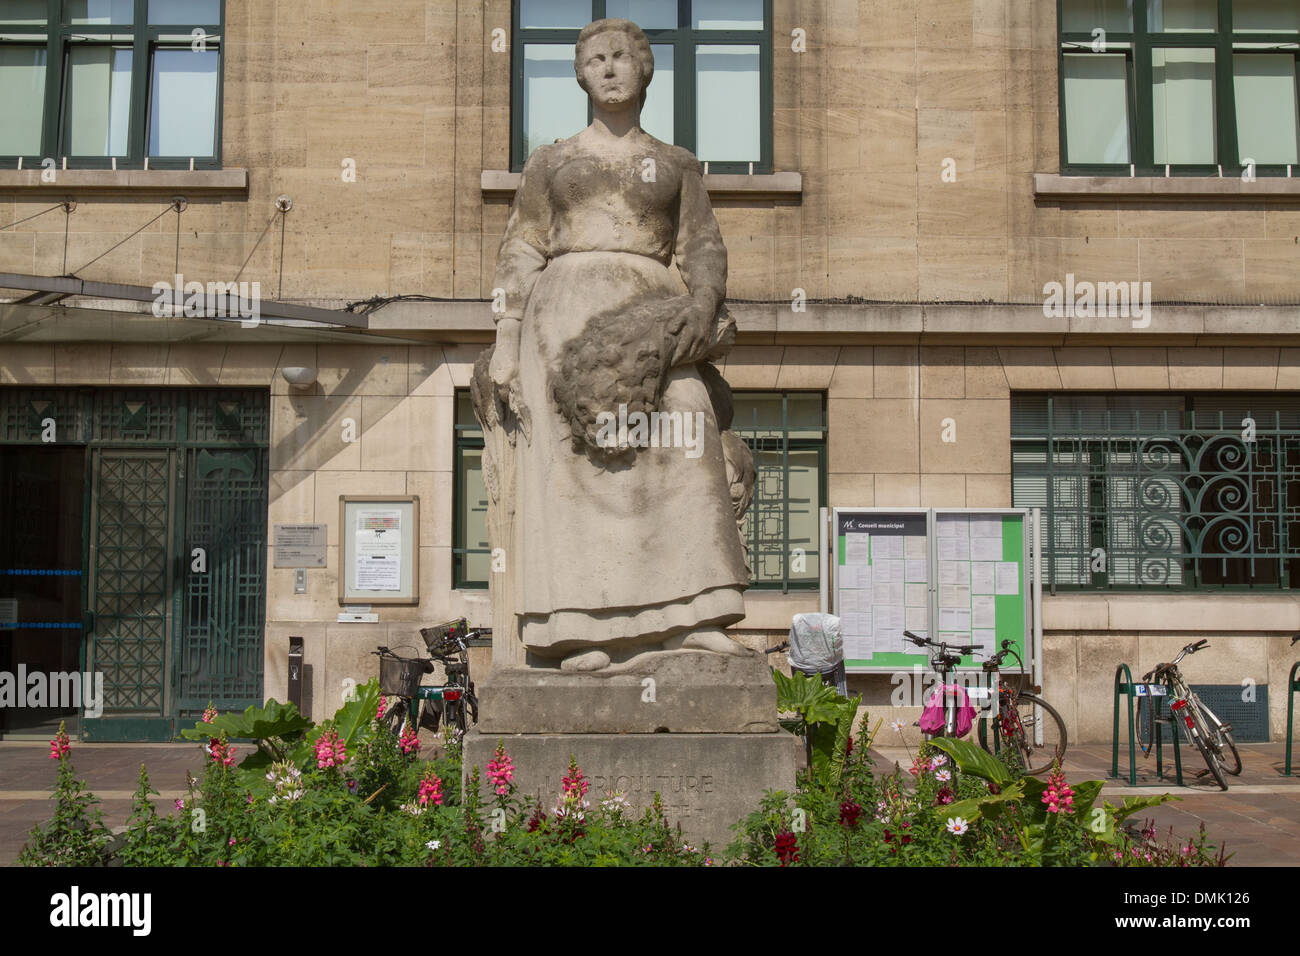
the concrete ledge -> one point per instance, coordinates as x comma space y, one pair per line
910, 322
501, 184
150, 184
685, 692
1227, 612
1055, 186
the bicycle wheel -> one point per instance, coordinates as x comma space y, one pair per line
1144, 723
1203, 743
1220, 739
395, 716
1034, 714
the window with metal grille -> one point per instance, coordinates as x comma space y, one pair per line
470, 554
786, 431
712, 86
1168, 491
111, 82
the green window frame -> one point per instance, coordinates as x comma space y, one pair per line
151, 55
1150, 61
1172, 491
785, 430
470, 553
685, 40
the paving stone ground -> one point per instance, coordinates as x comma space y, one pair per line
1258, 818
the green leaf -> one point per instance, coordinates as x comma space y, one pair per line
352, 721
987, 806
255, 723
971, 758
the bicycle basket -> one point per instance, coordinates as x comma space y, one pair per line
398, 676
435, 637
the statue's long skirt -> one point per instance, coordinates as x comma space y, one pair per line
625, 553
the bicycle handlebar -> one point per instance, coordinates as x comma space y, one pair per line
784, 645
942, 647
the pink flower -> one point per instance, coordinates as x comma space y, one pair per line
210, 714
575, 787
430, 789
1058, 796
409, 741
380, 714
501, 770
330, 751
180, 804
222, 752
60, 746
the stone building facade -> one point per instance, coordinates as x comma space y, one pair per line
888, 256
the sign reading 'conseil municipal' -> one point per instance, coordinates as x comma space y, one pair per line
887, 524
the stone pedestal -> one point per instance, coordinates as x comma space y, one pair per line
698, 728
707, 782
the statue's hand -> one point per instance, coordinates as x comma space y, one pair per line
504, 367
725, 337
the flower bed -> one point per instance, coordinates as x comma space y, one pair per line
349, 792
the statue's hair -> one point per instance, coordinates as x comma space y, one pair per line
640, 46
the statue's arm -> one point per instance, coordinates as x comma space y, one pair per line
702, 261
520, 260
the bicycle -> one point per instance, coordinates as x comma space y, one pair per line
1021, 717
946, 659
453, 704
1211, 736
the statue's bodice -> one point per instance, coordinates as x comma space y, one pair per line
624, 201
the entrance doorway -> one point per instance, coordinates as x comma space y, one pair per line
148, 508
42, 512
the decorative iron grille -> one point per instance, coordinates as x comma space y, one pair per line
1162, 491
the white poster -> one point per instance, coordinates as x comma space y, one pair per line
1008, 577
378, 565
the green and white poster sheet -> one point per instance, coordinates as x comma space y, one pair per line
956, 575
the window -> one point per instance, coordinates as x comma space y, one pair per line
786, 431
471, 558
1161, 491
1186, 84
712, 86
111, 82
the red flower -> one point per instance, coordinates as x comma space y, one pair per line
787, 847
849, 813
849, 749
944, 796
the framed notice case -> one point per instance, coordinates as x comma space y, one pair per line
379, 549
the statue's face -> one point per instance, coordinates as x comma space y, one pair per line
611, 73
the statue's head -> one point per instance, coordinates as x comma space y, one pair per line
613, 62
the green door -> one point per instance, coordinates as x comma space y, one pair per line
219, 655
130, 581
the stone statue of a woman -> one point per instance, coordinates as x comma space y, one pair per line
612, 539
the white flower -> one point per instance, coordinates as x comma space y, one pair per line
937, 762
957, 826
434, 844
896, 726
943, 776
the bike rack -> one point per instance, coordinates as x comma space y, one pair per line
1293, 686
1125, 687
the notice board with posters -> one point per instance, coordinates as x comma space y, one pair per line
959, 575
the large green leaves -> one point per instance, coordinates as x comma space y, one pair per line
826, 718
974, 760
814, 701
255, 723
